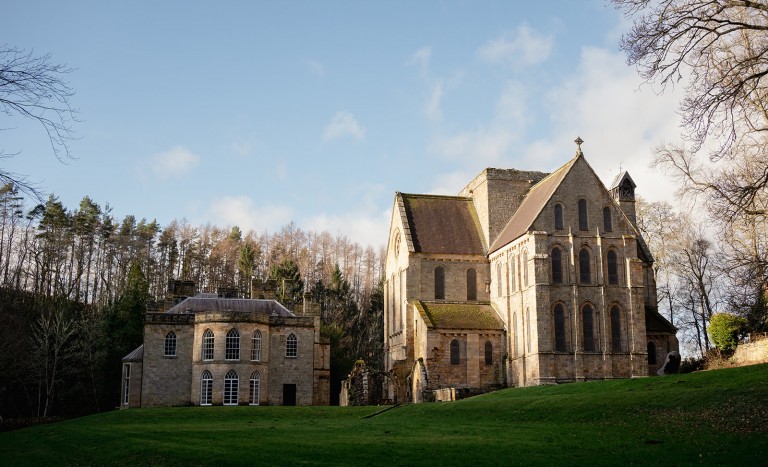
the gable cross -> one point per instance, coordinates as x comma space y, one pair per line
578, 142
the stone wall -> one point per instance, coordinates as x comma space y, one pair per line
751, 353
166, 380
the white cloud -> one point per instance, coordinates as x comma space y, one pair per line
523, 47
359, 227
173, 163
491, 143
421, 58
244, 213
433, 107
317, 68
620, 120
242, 148
343, 124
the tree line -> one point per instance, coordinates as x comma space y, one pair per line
77, 282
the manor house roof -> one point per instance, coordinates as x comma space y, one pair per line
212, 303
443, 224
460, 315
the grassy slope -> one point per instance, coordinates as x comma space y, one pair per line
710, 417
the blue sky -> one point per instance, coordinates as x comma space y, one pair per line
257, 114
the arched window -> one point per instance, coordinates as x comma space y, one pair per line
588, 328
613, 268
607, 221
291, 346
488, 353
206, 388
583, 223
256, 346
232, 345
585, 273
560, 343
439, 283
615, 329
515, 348
512, 275
253, 396
170, 344
557, 265
651, 353
231, 386
472, 284
558, 216
455, 352
524, 267
498, 279
528, 327
208, 345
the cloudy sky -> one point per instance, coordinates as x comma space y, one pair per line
257, 114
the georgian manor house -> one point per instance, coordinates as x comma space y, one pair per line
524, 278
209, 349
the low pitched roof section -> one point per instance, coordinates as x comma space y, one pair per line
206, 303
477, 316
443, 224
529, 209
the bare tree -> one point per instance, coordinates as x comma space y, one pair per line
33, 87
717, 49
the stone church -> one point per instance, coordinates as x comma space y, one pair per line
210, 349
524, 278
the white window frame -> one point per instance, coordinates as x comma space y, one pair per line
206, 388
231, 388
256, 346
208, 342
126, 382
169, 349
232, 345
255, 388
291, 346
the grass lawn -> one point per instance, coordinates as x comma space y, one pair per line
714, 417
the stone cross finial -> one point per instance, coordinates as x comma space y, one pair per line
578, 142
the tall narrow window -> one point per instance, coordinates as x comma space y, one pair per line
588, 328
291, 346
455, 352
607, 221
253, 396
206, 388
472, 284
528, 327
208, 345
615, 329
557, 266
439, 283
613, 268
560, 344
170, 344
515, 348
232, 345
524, 268
498, 279
558, 216
512, 275
651, 353
488, 353
585, 273
126, 382
231, 386
583, 223
256, 346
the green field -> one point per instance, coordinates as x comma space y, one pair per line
714, 417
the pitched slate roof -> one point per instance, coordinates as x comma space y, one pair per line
136, 356
655, 323
443, 224
459, 315
210, 302
532, 205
